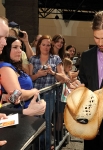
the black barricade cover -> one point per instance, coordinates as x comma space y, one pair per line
18, 135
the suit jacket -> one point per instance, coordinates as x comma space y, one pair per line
88, 73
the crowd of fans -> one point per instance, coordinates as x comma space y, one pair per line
41, 65
49, 63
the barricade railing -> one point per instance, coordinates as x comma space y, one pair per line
57, 133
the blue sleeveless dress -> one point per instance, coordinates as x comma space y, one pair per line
24, 81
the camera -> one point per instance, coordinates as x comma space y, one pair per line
14, 96
44, 67
21, 34
75, 60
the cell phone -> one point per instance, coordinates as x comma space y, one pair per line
14, 96
21, 34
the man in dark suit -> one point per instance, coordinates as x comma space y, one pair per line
91, 73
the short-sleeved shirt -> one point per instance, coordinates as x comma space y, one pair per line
44, 81
24, 58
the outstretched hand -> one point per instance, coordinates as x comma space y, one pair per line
76, 84
3, 142
3, 116
73, 85
35, 108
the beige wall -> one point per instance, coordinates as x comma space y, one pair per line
76, 33
2, 9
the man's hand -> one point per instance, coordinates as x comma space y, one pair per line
3, 116
75, 85
3, 142
35, 108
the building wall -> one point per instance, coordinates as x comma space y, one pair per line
76, 33
25, 13
2, 9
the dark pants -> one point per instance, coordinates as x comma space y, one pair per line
96, 143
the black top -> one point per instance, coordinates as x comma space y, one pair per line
10, 109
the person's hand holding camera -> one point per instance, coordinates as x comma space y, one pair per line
15, 97
11, 97
23, 36
50, 71
42, 72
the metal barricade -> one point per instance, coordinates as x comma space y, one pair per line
56, 133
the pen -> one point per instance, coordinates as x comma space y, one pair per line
38, 97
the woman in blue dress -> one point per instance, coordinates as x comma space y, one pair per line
12, 76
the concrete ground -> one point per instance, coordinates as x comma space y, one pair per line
74, 144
